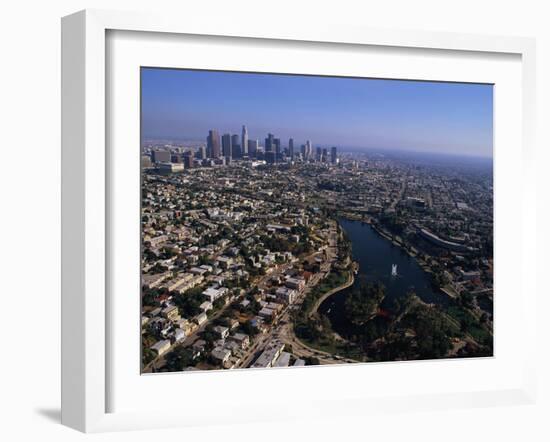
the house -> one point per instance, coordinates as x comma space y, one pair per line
242, 339
201, 319
286, 294
296, 283
152, 281
185, 325
179, 335
269, 355
245, 303
171, 313
155, 312
199, 345
266, 312
224, 261
205, 306
161, 347
220, 355
223, 332
213, 293
179, 281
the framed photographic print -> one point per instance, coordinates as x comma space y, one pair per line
311, 217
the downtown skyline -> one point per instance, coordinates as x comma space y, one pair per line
446, 118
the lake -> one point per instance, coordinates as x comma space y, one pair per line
375, 256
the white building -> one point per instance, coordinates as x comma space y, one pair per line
270, 355
201, 319
212, 293
179, 335
161, 347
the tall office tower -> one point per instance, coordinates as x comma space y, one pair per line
318, 154
213, 144
235, 146
324, 157
303, 150
244, 141
252, 148
146, 161
188, 158
291, 148
201, 153
161, 156
277, 142
333, 157
226, 146
270, 143
309, 149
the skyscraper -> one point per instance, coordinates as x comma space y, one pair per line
201, 153
226, 146
333, 157
309, 149
244, 141
291, 148
188, 158
161, 156
277, 142
270, 143
235, 146
252, 148
213, 144
318, 154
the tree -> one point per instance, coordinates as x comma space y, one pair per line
179, 358
311, 360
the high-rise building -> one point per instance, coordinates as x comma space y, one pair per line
333, 155
324, 157
146, 161
201, 153
270, 143
318, 154
309, 149
176, 158
252, 148
213, 144
291, 148
188, 158
277, 143
226, 146
244, 141
235, 146
161, 156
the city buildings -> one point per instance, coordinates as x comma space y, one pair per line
244, 141
234, 243
227, 147
213, 144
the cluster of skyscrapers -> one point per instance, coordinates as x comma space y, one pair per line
231, 147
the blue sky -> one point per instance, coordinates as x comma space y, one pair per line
451, 118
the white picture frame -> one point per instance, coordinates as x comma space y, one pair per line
85, 308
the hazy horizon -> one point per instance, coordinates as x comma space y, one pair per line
355, 114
